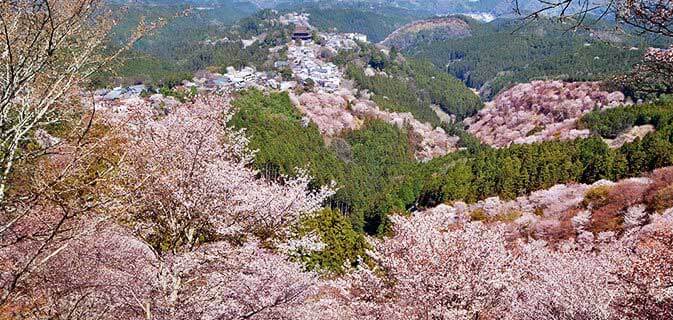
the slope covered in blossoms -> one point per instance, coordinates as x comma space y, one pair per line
337, 113
198, 235
540, 265
283, 193
584, 212
427, 30
540, 111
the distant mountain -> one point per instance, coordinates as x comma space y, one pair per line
478, 8
437, 29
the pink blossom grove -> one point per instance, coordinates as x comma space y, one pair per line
341, 112
193, 238
540, 111
185, 229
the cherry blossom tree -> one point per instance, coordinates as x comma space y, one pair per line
647, 274
653, 75
57, 200
433, 271
197, 234
563, 284
53, 190
210, 223
540, 111
47, 50
193, 181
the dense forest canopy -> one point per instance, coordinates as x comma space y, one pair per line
375, 21
501, 53
192, 39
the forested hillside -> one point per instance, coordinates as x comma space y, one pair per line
499, 54
192, 39
378, 159
406, 85
376, 21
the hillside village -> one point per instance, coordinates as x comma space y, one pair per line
312, 73
303, 57
315, 81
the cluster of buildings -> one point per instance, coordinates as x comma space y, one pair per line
293, 18
119, 93
303, 59
306, 64
343, 41
234, 80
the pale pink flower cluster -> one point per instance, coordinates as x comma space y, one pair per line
563, 284
340, 112
432, 267
431, 272
428, 142
201, 237
550, 108
192, 160
198, 233
543, 213
659, 55
328, 112
551, 202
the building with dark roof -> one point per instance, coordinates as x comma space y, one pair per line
301, 33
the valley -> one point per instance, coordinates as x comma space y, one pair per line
352, 159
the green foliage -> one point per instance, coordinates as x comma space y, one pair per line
610, 123
381, 155
521, 169
393, 94
203, 39
182, 95
377, 174
445, 90
662, 200
478, 215
411, 86
378, 154
597, 197
375, 22
344, 247
274, 127
498, 54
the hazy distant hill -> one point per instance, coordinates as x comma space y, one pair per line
497, 8
498, 54
429, 30
374, 20
441, 7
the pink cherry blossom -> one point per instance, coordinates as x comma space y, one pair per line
551, 108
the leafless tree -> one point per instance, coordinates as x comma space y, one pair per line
648, 16
48, 185
47, 49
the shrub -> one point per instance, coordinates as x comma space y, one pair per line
662, 200
479, 215
659, 196
627, 194
508, 216
597, 196
607, 218
554, 231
